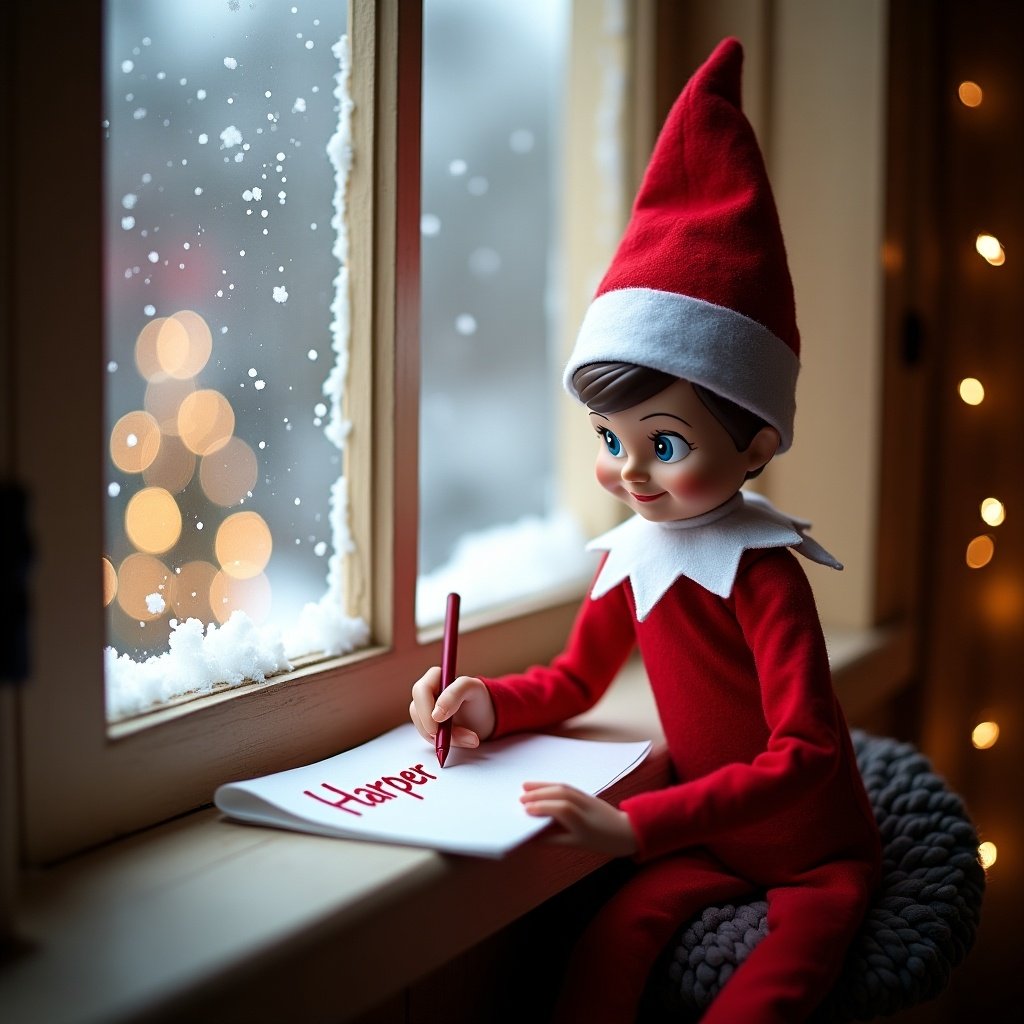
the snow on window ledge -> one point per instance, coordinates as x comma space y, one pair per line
506, 563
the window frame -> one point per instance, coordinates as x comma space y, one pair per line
82, 781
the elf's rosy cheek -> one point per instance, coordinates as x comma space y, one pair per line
609, 473
691, 482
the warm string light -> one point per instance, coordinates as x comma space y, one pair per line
971, 391
970, 94
984, 735
993, 511
991, 249
981, 549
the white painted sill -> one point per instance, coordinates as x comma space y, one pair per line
203, 919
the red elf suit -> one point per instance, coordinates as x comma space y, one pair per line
768, 797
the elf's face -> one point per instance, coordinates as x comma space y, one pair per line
668, 458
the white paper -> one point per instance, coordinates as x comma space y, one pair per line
470, 806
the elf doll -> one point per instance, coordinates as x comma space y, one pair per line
687, 362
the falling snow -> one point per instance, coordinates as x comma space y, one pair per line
230, 63
231, 136
280, 293
155, 603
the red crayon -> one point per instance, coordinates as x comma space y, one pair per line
443, 739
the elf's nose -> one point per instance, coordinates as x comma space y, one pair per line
634, 470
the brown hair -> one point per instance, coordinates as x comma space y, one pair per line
612, 387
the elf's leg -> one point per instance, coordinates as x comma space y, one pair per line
810, 926
610, 964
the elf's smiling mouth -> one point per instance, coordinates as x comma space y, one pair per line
648, 497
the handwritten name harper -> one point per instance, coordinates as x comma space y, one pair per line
389, 787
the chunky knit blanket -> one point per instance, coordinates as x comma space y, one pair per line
922, 922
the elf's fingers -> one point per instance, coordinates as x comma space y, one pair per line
424, 694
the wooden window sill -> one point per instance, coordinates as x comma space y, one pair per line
201, 918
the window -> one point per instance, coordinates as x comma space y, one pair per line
492, 252
85, 781
226, 166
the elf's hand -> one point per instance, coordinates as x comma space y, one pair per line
585, 820
466, 701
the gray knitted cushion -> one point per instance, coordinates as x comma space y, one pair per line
919, 928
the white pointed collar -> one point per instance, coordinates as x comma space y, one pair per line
707, 548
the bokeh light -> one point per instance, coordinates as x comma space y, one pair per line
173, 467
138, 578
993, 511
192, 596
109, 582
243, 545
172, 347
229, 594
970, 94
229, 474
152, 520
984, 735
987, 854
980, 551
205, 421
134, 441
971, 391
991, 249
146, 357
183, 344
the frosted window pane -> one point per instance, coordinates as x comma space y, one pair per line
220, 297
493, 94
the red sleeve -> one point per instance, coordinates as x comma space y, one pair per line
545, 695
776, 613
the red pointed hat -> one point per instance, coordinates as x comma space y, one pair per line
699, 286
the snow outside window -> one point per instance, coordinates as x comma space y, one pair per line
494, 80
227, 153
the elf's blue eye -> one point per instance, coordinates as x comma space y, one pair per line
670, 447
612, 443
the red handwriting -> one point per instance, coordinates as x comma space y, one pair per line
389, 787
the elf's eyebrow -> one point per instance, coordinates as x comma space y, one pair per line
594, 412
670, 415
